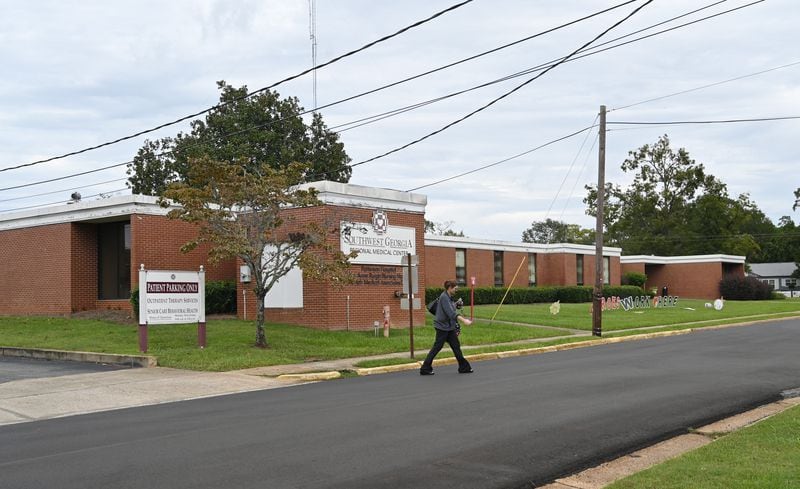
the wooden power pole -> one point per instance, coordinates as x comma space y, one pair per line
597, 304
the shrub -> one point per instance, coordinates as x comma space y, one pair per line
744, 288
777, 296
220, 298
634, 278
623, 291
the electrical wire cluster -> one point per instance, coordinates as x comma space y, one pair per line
588, 48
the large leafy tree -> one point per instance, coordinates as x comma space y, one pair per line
674, 207
254, 131
552, 231
240, 208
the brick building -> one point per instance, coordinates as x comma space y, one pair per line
84, 256
503, 264
696, 276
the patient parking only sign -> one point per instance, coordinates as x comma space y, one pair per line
171, 297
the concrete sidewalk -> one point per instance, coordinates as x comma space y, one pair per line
54, 397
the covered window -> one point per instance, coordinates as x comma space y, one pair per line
498, 269
579, 269
531, 269
607, 270
114, 260
461, 266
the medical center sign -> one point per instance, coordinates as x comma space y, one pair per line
377, 243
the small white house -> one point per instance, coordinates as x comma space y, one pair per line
776, 275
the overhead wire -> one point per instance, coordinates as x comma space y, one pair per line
63, 190
506, 94
518, 155
521, 73
250, 94
718, 121
61, 201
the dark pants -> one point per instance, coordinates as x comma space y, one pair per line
452, 339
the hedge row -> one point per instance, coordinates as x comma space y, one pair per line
220, 297
744, 289
531, 295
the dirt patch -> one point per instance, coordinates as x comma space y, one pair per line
113, 316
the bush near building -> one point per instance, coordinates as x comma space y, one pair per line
744, 289
532, 295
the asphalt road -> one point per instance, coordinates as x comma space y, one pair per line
513, 423
12, 368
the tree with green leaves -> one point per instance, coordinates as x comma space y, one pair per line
552, 231
674, 207
240, 208
256, 130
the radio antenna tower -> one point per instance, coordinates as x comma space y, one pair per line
312, 34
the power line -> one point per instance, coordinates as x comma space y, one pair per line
508, 77
63, 190
494, 101
706, 86
721, 121
64, 177
61, 201
503, 160
205, 111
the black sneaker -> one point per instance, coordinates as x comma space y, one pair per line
425, 372
466, 371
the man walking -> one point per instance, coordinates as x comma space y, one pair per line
447, 330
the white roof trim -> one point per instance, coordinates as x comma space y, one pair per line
88, 210
485, 244
668, 260
349, 195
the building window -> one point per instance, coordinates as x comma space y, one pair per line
531, 269
607, 270
790, 282
770, 282
114, 261
579, 269
498, 269
461, 266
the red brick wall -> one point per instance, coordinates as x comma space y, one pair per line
36, 270
325, 307
515, 264
83, 251
690, 280
156, 242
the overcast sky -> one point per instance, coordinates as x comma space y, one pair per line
77, 74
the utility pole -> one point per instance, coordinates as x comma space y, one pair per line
597, 304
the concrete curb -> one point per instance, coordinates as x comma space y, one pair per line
310, 377
80, 356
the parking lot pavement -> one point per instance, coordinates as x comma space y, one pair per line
15, 368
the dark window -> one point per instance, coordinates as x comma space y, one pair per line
579, 269
498, 269
114, 260
461, 266
531, 269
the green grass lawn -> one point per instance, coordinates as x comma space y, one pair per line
578, 316
763, 456
229, 341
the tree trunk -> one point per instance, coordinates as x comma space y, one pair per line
261, 336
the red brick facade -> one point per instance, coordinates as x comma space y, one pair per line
50, 260
327, 307
691, 280
551, 268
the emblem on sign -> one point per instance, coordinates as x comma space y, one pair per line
380, 222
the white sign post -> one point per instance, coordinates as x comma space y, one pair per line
171, 297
